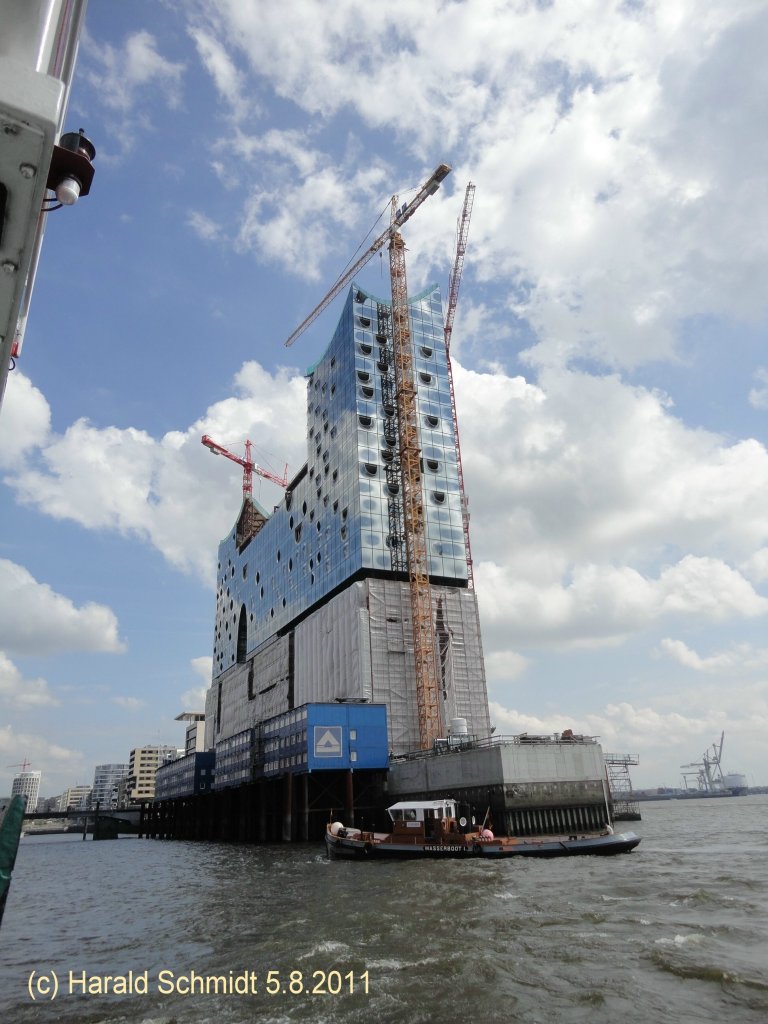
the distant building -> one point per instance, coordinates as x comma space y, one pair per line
142, 767
186, 776
124, 789
27, 785
75, 798
195, 736
106, 778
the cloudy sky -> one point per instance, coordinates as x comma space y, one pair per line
609, 351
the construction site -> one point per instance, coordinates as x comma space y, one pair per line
348, 658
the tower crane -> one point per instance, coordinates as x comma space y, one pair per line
428, 690
249, 466
454, 281
24, 765
405, 212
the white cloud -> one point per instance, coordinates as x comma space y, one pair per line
633, 727
227, 78
604, 604
618, 169
34, 619
504, 665
758, 397
194, 698
130, 81
755, 567
662, 740
203, 226
739, 659
600, 511
42, 754
25, 421
21, 693
298, 223
169, 491
126, 73
129, 703
203, 667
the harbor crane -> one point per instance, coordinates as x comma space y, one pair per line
428, 686
249, 466
708, 773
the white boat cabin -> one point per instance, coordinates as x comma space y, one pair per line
422, 810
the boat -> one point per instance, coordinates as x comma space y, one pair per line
433, 828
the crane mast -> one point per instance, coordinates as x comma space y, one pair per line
454, 282
428, 690
424, 648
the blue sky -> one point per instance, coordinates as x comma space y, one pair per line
609, 351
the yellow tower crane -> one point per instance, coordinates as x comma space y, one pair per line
427, 676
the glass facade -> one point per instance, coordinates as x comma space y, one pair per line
341, 516
186, 776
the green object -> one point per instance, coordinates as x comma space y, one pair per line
10, 831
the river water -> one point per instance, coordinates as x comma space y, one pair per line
676, 931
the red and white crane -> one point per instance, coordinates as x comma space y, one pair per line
454, 281
249, 466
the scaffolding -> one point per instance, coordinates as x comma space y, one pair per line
625, 807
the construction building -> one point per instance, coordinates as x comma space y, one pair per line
348, 665
27, 785
313, 600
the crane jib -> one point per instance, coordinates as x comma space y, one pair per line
430, 186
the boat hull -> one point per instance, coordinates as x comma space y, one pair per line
373, 848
